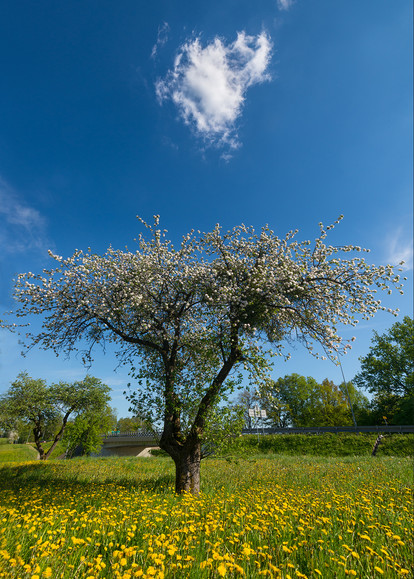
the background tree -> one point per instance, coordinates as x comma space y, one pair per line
30, 400
38, 404
20, 426
332, 405
288, 401
302, 402
85, 432
360, 403
245, 400
387, 372
194, 314
132, 424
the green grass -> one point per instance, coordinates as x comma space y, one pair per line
25, 452
327, 444
58, 451
17, 452
278, 516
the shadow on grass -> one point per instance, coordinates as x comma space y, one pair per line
41, 475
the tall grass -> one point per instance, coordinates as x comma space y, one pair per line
282, 517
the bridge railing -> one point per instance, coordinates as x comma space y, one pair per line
291, 430
133, 434
332, 429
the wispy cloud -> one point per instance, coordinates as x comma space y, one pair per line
284, 4
399, 248
162, 38
208, 84
22, 227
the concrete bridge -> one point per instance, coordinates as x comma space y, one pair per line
129, 444
140, 443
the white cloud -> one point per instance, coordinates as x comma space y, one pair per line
284, 4
162, 38
22, 227
208, 84
400, 249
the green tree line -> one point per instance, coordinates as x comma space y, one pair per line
387, 373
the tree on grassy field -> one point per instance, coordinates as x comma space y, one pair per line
29, 400
36, 403
86, 430
192, 315
387, 371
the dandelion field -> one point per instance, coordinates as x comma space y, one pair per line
281, 517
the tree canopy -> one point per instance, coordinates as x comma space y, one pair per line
191, 315
301, 401
132, 424
388, 368
32, 401
84, 433
387, 372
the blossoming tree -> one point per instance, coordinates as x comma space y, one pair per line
192, 315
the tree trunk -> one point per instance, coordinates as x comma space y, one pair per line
37, 433
187, 459
187, 469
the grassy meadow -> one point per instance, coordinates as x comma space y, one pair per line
275, 516
16, 452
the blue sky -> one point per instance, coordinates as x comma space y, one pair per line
279, 112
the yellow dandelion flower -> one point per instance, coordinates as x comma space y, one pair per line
379, 570
222, 569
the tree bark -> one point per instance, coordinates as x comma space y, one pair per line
59, 435
187, 458
187, 469
37, 433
